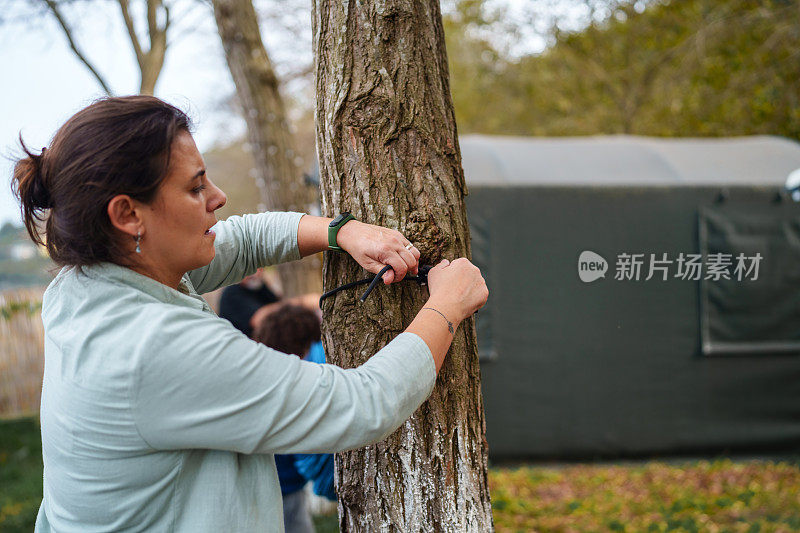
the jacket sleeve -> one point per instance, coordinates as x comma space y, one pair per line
244, 243
200, 383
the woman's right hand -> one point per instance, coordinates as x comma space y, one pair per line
457, 288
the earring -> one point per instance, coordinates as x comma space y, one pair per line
137, 239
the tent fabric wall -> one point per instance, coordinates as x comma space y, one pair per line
759, 312
614, 367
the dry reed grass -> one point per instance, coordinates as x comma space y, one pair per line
21, 351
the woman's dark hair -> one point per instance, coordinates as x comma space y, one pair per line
114, 146
289, 329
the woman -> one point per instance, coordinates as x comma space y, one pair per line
156, 414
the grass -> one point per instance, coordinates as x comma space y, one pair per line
326, 523
20, 474
699, 496
708, 496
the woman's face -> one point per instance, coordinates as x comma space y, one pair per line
177, 236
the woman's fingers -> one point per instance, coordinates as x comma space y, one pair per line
407, 251
403, 258
399, 268
403, 262
410, 260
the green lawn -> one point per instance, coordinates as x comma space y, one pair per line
20, 474
708, 496
702, 496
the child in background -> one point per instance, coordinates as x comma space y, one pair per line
294, 329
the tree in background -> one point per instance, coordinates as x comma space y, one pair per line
477, 66
279, 175
740, 75
688, 68
150, 60
389, 154
277, 167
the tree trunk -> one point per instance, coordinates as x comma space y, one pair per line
279, 178
388, 150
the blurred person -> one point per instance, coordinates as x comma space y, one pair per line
240, 302
309, 300
156, 414
248, 302
293, 329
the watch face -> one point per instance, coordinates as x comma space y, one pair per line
338, 220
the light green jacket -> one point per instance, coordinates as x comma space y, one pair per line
157, 415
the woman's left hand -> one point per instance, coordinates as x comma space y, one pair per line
374, 247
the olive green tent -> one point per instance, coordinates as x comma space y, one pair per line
644, 294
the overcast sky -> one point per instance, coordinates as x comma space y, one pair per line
44, 83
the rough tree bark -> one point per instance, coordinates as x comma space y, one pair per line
388, 151
280, 180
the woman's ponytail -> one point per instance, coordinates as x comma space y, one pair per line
29, 186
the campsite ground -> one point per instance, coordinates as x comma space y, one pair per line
709, 496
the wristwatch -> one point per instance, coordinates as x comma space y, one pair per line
333, 230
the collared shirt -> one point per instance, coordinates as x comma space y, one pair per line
157, 415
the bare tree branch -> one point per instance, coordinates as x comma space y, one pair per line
51, 4
303, 71
152, 24
137, 47
188, 22
153, 59
167, 19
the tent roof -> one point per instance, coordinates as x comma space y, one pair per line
627, 160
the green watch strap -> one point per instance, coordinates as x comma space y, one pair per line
333, 230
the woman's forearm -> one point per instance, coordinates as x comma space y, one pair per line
312, 235
434, 328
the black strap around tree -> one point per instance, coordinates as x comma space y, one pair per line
421, 278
